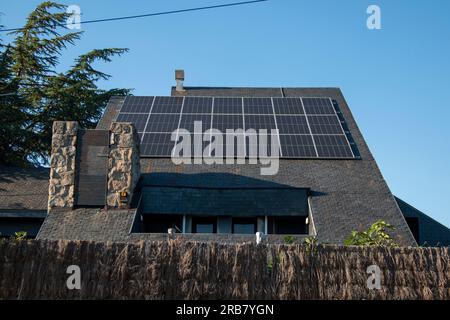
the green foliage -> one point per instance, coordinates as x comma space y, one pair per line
376, 235
311, 241
288, 239
21, 235
33, 94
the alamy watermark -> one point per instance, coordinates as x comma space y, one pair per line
74, 20
374, 280
374, 20
74, 280
235, 146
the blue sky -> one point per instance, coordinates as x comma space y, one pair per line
396, 80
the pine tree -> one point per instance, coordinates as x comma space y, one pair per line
33, 94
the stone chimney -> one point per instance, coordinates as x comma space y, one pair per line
179, 78
121, 162
62, 162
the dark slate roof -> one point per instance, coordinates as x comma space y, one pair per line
113, 107
346, 194
431, 232
23, 190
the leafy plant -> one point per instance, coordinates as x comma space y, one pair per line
288, 239
20, 235
311, 241
376, 235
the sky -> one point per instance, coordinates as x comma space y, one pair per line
396, 80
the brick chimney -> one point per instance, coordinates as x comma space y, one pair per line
179, 78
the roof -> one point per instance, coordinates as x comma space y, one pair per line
347, 195
431, 232
220, 194
24, 189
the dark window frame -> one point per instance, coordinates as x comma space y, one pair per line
273, 228
147, 225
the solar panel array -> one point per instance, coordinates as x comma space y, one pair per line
308, 127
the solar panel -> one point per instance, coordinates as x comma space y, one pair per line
139, 120
297, 146
325, 124
258, 106
162, 122
257, 122
288, 106
318, 106
308, 127
167, 105
137, 104
157, 144
227, 105
223, 122
187, 121
255, 148
230, 142
197, 105
198, 146
332, 146
295, 124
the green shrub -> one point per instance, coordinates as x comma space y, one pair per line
20, 235
375, 236
288, 239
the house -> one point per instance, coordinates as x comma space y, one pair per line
120, 182
23, 200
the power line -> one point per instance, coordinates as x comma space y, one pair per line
155, 13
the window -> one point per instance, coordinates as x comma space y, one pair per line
287, 225
244, 225
159, 223
413, 224
204, 225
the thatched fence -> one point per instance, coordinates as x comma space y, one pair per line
186, 270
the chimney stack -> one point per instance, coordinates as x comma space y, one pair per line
179, 77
